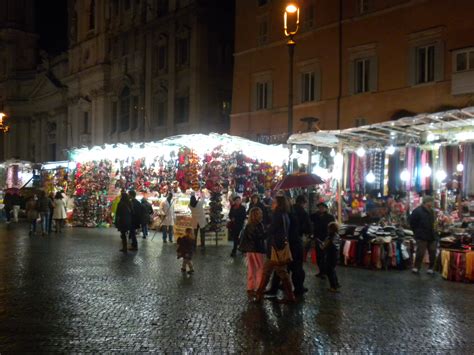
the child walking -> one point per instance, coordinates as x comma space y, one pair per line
185, 250
331, 248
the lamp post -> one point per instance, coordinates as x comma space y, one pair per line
291, 21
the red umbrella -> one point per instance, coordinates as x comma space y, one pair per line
298, 180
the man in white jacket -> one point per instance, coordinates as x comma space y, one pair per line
167, 210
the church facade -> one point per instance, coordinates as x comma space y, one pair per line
135, 71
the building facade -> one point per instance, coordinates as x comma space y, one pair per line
135, 71
356, 62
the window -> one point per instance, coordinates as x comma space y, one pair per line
262, 32
362, 75
126, 4
162, 54
162, 7
307, 86
361, 121
116, 7
425, 64
124, 45
363, 6
307, 13
113, 126
262, 2
85, 123
135, 112
226, 109
92, 15
124, 110
465, 60
262, 96
160, 59
182, 109
160, 110
182, 57
52, 151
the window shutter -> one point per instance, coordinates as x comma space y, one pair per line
412, 66
300, 92
374, 69
317, 85
352, 77
270, 94
254, 96
439, 61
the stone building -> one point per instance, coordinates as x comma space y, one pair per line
136, 70
356, 62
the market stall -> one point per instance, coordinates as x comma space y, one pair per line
213, 166
376, 174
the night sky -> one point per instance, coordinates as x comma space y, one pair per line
51, 25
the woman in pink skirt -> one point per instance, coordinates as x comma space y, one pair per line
252, 243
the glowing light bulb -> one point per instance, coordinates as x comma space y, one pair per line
390, 150
426, 171
333, 153
360, 152
441, 175
460, 167
370, 178
405, 175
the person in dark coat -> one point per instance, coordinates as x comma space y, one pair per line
300, 224
331, 247
185, 250
123, 219
422, 222
137, 219
237, 217
8, 202
321, 220
44, 209
278, 235
147, 214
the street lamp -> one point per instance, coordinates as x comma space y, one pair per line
291, 21
3, 126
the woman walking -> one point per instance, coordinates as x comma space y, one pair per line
32, 213
123, 219
59, 214
278, 252
237, 217
198, 218
253, 245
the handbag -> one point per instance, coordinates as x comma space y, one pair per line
282, 256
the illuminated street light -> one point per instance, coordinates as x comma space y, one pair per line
3, 126
291, 21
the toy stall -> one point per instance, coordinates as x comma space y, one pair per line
212, 166
377, 174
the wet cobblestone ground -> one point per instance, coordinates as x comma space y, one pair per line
77, 293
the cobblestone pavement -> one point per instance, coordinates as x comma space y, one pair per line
77, 293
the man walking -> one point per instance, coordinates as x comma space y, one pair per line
321, 220
422, 221
137, 218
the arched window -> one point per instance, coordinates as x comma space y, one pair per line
92, 15
125, 110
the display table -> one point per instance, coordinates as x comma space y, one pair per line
377, 255
457, 265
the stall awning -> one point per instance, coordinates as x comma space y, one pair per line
442, 127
